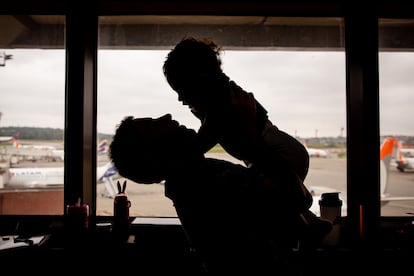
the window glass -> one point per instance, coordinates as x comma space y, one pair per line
32, 107
396, 86
300, 82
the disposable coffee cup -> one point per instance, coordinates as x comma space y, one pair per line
330, 208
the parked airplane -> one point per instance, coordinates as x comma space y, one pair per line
388, 150
6, 138
12, 139
49, 152
313, 152
103, 147
53, 177
35, 151
317, 152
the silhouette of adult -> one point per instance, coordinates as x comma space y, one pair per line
224, 207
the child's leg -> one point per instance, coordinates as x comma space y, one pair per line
286, 148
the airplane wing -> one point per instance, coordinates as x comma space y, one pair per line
106, 170
106, 174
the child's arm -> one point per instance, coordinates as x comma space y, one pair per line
206, 137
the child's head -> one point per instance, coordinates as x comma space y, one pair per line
191, 67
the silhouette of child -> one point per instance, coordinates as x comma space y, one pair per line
234, 119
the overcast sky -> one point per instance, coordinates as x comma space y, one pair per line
304, 92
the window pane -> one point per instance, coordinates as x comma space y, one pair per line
396, 86
300, 81
32, 108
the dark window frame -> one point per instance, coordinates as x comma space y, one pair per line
362, 107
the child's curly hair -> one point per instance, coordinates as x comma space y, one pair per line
191, 57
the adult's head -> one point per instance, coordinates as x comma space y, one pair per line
193, 69
147, 150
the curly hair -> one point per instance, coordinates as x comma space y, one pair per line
132, 151
190, 57
119, 146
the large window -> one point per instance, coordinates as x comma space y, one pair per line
32, 108
396, 86
299, 79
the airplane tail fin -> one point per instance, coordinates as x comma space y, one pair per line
390, 148
103, 147
15, 142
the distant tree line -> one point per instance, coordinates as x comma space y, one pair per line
39, 133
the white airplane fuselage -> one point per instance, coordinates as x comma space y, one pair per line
35, 177
42, 177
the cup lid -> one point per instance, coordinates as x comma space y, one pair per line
330, 199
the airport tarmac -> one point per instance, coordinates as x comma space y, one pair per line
149, 200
